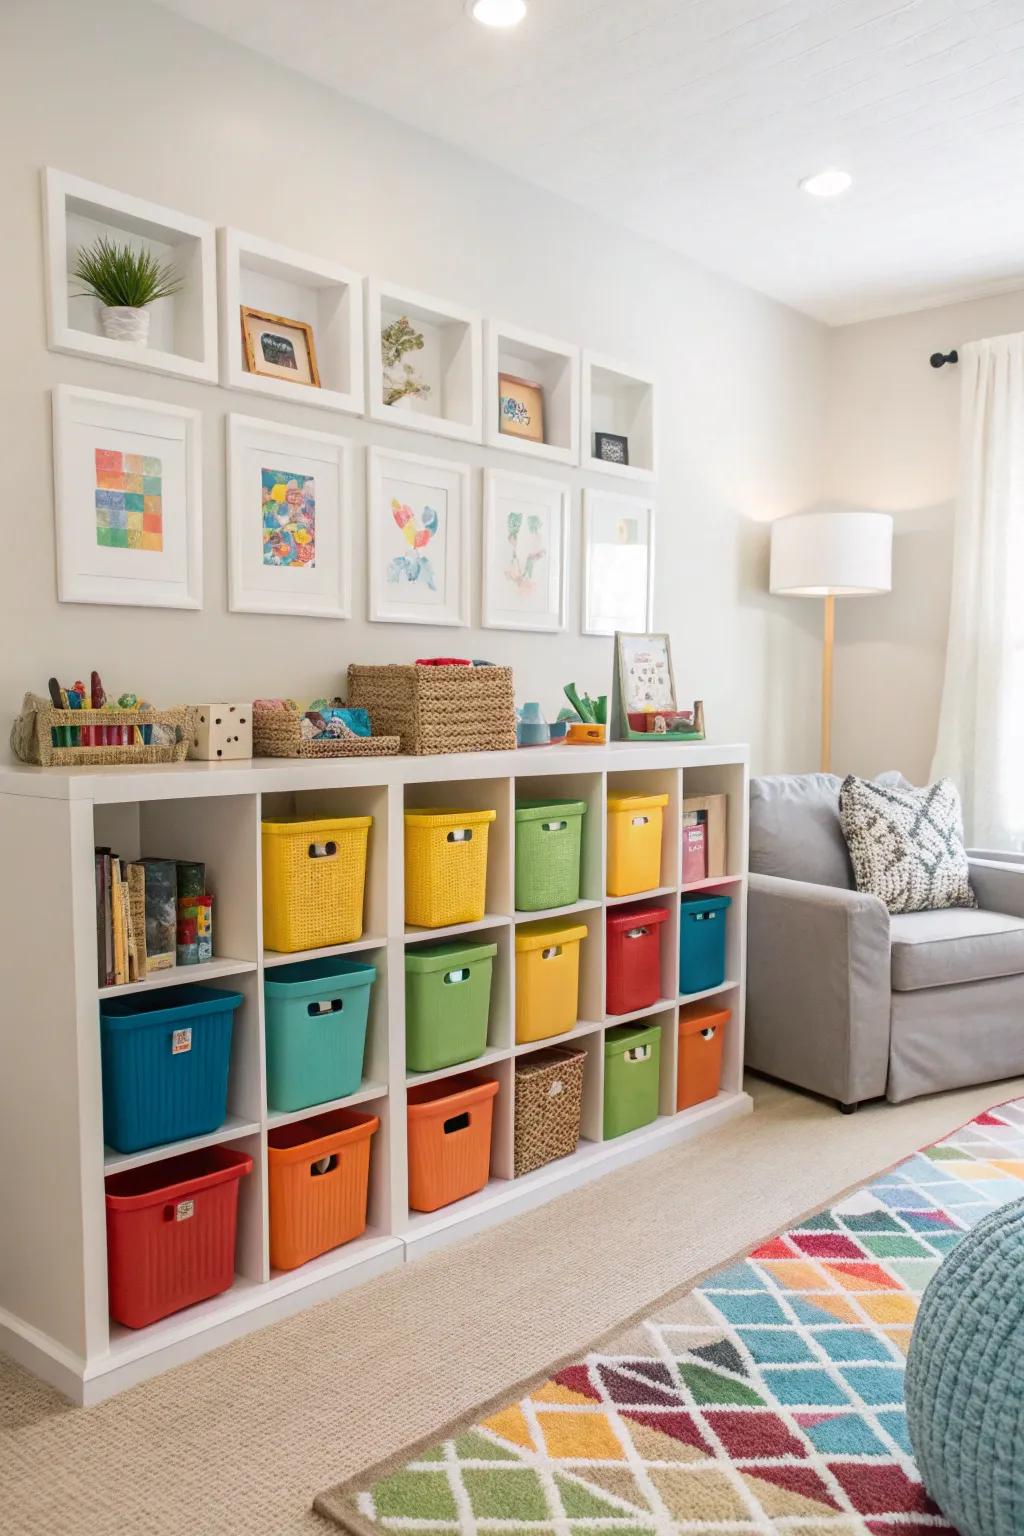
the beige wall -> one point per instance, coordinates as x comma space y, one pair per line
130, 96
891, 445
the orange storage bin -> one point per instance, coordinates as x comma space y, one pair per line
449, 1126
701, 1035
319, 1172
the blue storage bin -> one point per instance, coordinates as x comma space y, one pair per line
316, 1013
702, 923
165, 1058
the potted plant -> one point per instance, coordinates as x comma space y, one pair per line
126, 281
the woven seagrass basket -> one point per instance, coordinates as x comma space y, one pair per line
549, 1105
277, 733
438, 709
39, 728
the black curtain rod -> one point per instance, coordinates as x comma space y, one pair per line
938, 359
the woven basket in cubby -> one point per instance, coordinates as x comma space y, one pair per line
548, 1107
438, 709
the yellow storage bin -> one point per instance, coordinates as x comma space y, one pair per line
634, 843
547, 978
314, 875
445, 867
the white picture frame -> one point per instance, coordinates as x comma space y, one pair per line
414, 579
127, 478
309, 475
512, 554
618, 580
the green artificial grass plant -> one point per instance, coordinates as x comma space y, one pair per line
121, 277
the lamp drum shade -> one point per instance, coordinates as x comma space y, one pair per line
832, 554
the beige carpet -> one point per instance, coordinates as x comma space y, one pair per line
240, 1441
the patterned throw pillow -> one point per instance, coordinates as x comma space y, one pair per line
906, 845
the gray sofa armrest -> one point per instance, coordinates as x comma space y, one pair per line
818, 987
998, 882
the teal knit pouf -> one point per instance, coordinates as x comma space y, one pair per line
965, 1380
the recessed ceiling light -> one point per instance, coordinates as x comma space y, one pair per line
827, 183
497, 13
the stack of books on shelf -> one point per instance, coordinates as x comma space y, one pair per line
151, 914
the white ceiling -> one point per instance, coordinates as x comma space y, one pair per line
691, 121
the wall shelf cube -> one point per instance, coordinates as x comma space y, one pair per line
328, 297
620, 401
183, 327
555, 367
440, 375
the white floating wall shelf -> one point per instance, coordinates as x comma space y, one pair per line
555, 366
446, 365
617, 399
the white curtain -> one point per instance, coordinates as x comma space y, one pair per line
981, 724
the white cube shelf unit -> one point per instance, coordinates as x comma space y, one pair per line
448, 363
328, 297
618, 400
183, 327
555, 366
53, 1289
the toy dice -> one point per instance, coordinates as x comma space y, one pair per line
221, 731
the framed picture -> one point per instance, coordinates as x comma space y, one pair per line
611, 447
520, 408
289, 499
644, 664
618, 563
418, 539
279, 348
525, 551
127, 492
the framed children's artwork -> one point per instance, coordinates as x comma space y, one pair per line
127, 494
525, 551
289, 520
644, 704
418, 539
618, 563
278, 347
520, 408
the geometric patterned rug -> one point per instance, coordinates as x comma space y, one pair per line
769, 1399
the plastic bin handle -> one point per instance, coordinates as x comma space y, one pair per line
452, 978
709, 1033
457, 1123
460, 835
554, 826
315, 1010
551, 952
637, 933
320, 1167
323, 850
182, 1210
638, 1053
639, 821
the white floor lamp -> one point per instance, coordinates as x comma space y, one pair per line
830, 555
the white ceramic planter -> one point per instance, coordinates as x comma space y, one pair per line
122, 323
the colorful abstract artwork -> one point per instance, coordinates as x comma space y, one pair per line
524, 536
289, 518
414, 567
768, 1399
129, 500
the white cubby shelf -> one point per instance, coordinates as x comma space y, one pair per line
448, 363
53, 1295
555, 366
259, 274
183, 327
618, 399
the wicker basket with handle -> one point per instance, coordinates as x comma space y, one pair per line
37, 732
438, 709
278, 733
549, 1105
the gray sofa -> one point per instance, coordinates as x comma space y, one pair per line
852, 1003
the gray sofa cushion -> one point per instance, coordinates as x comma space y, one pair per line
941, 949
794, 827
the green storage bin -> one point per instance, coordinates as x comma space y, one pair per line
632, 1073
548, 836
316, 1014
447, 1003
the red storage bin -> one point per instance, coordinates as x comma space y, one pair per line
634, 957
171, 1233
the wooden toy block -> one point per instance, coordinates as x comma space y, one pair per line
221, 732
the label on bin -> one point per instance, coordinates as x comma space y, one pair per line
181, 1041
184, 1209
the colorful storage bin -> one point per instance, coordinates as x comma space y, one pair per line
634, 957
548, 838
318, 1174
632, 1068
548, 1108
634, 843
445, 867
701, 1037
547, 978
449, 1129
316, 1014
447, 1003
702, 924
171, 1230
165, 1058
314, 875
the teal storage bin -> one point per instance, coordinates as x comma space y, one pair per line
447, 1003
548, 840
164, 1057
316, 1014
702, 924
632, 1076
